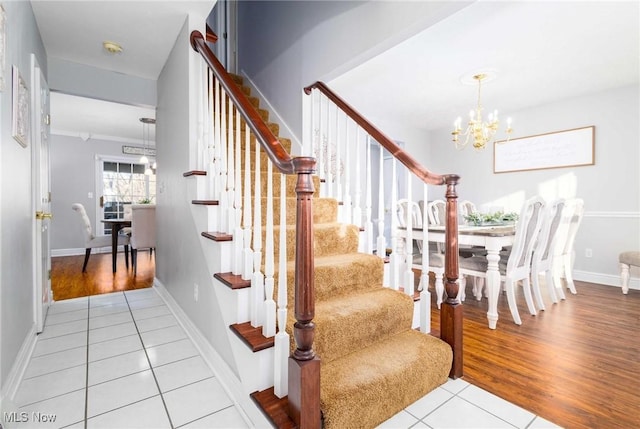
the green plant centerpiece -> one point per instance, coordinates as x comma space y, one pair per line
145, 201
495, 218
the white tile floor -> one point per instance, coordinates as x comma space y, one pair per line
122, 361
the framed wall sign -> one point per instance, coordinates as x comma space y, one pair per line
137, 150
568, 148
19, 108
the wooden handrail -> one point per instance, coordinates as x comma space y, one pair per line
270, 143
407, 160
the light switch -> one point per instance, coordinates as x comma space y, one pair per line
90, 195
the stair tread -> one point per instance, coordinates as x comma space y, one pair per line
405, 366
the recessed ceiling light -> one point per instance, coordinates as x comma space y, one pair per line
112, 47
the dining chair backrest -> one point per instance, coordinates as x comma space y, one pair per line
467, 207
436, 210
526, 234
543, 253
416, 214
87, 230
577, 213
143, 226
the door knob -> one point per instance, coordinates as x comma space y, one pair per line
42, 215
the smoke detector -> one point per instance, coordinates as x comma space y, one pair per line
112, 47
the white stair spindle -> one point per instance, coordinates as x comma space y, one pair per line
269, 326
338, 175
224, 204
381, 243
408, 275
368, 225
247, 266
238, 238
257, 281
282, 341
320, 149
215, 183
425, 295
210, 162
394, 258
329, 160
231, 176
347, 202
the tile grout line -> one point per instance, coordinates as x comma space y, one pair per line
86, 380
155, 379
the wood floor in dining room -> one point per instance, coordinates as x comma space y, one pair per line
68, 280
576, 364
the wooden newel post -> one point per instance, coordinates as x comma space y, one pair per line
304, 365
451, 309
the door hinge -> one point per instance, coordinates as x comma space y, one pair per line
47, 119
49, 274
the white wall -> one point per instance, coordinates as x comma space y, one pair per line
179, 261
16, 210
610, 188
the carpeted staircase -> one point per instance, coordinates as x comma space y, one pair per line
373, 364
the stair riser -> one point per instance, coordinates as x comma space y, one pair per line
325, 210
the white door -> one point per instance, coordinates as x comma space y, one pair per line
42, 193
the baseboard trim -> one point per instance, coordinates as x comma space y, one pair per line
78, 251
604, 279
10, 387
232, 385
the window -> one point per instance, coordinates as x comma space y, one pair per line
124, 183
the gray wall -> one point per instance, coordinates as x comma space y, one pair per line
179, 260
610, 188
16, 209
92, 82
73, 176
284, 46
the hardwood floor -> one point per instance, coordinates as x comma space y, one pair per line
68, 280
576, 364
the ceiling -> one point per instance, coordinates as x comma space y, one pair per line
541, 52
75, 30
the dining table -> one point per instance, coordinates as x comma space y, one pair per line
493, 238
116, 226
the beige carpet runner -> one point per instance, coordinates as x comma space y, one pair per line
372, 363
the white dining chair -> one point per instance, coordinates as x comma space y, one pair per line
564, 254
542, 259
517, 266
92, 241
143, 230
415, 219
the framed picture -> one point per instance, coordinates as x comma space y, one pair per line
568, 148
20, 109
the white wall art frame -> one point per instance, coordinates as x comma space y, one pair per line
20, 109
568, 148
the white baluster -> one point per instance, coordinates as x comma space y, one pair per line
394, 259
357, 212
224, 202
210, 164
281, 376
269, 327
329, 161
231, 176
247, 268
368, 225
425, 295
347, 204
257, 281
381, 243
215, 178
237, 204
338, 175
408, 275
319, 149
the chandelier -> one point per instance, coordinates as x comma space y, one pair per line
481, 132
146, 141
